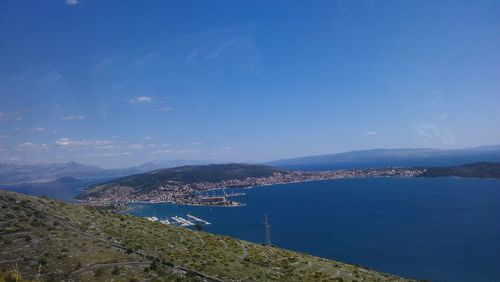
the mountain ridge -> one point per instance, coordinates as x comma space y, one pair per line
11, 174
407, 157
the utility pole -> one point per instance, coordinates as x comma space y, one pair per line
268, 231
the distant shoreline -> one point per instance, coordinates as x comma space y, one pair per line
295, 182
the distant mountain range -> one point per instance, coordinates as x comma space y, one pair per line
150, 166
31, 173
15, 174
378, 158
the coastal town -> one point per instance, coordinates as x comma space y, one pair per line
196, 193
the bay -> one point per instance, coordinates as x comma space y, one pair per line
442, 229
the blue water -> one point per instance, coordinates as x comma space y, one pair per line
442, 229
65, 192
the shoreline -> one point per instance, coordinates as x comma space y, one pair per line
243, 187
239, 204
185, 204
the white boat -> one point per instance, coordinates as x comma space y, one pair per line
198, 219
165, 221
179, 221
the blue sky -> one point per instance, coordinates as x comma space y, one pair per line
118, 83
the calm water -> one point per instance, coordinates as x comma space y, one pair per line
65, 192
443, 229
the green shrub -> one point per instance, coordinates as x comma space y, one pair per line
99, 272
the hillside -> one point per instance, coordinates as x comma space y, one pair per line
53, 241
197, 174
176, 177
379, 158
474, 170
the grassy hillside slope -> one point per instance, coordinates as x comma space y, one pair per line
54, 241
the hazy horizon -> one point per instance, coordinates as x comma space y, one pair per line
117, 84
181, 162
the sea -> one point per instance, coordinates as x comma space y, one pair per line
441, 229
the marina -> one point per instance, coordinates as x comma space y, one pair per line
198, 219
165, 221
180, 221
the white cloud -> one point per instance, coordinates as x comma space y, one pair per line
72, 2
141, 100
221, 151
100, 155
30, 129
105, 147
134, 146
63, 142
369, 133
66, 142
31, 146
73, 117
163, 109
434, 135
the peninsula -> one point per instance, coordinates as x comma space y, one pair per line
184, 185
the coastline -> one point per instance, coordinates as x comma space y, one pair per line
244, 188
240, 204
186, 204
